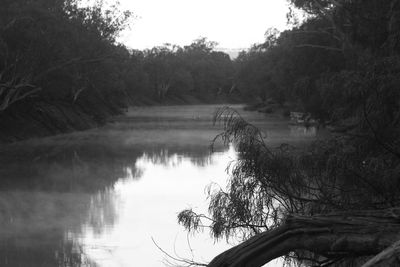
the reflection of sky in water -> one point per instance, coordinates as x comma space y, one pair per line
99, 196
147, 207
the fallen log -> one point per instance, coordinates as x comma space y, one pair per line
334, 235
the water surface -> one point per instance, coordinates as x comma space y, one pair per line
99, 197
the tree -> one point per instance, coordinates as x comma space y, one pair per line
160, 66
335, 202
286, 66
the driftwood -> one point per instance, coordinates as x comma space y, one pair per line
352, 234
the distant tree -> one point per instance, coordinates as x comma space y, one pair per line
195, 69
201, 45
159, 64
211, 70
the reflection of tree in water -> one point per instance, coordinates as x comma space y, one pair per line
173, 158
72, 255
43, 249
303, 131
103, 211
51, 190
35, 253
48, 192
83, 167
33, 226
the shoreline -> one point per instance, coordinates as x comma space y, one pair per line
67, 120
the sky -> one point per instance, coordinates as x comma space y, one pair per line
233, 24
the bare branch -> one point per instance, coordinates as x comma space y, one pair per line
318, 32
321, 47
77, 93
178, 261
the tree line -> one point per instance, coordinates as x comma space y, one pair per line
61, 68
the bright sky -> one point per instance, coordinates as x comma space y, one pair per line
231, 23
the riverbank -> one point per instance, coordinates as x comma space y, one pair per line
43, 119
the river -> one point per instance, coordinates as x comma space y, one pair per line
100, 197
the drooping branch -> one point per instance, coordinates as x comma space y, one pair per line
356, 233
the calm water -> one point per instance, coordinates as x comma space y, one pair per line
99, 197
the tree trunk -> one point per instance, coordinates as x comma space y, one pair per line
346, 234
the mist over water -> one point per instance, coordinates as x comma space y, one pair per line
97, 198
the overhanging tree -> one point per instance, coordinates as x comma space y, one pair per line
331, 204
